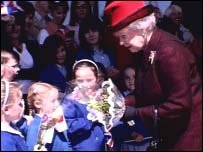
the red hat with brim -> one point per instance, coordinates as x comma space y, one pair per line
121, 13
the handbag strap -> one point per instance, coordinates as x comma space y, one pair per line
156, 143
155, 121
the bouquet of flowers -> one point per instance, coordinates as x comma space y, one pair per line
46, 131
106, 105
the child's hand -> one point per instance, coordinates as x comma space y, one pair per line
137, 137
39, 147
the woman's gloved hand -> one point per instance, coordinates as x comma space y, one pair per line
130, 112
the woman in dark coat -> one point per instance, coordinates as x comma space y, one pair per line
168, 84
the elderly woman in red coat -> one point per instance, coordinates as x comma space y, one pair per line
168, 83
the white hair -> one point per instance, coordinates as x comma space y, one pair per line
173, 8
146, 24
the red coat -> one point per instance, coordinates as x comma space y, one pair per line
173, 83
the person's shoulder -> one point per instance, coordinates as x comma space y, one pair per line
68, 100
32, 45
82, 51
169, 44
6, 135
173, 49
32, 42
184, 29
49, 68
166, 36
10, 137
35, 121
43, 31
82, 54
8, 141
167, 52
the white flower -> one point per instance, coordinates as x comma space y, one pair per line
152, 56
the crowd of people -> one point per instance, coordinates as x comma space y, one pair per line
43, 60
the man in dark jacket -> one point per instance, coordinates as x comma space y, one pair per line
168, 84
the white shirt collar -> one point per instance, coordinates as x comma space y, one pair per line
7, 128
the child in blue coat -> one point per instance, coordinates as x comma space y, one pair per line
84, 134
11, 109
43, 102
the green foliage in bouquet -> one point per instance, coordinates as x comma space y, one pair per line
101, 103
107, 106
